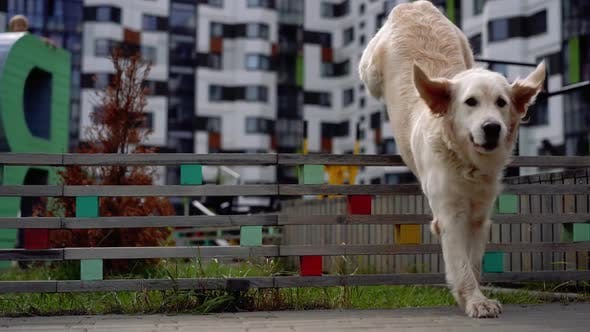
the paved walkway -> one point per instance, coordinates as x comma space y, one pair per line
551, 317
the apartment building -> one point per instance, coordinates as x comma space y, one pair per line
260, 75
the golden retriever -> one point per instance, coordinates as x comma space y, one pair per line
455, 126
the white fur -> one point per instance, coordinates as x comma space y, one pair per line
422, 66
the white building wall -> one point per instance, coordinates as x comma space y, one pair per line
233, 114
132, 12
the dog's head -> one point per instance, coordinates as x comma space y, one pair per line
480, 108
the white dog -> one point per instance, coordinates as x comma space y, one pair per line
455, 127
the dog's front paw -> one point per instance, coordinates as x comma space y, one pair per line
483, 308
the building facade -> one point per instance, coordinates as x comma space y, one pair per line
267, 75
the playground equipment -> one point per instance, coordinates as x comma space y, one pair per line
34, 117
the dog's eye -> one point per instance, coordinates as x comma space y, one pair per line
500, 102
471, 102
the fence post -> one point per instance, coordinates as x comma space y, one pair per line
493, 261
87, 207
311, 174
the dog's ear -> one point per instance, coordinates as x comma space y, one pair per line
370, 66
436, 92
525, 91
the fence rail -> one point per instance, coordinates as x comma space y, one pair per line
261, 190
264, 159
553, 206
240, 284
264, 220
263, 251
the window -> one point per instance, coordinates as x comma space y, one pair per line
348, 36
362, 8
216, 29
323, 39
215, 61
537, 23
156, 88
327, 69
181, 83
154, 23
347, 97
257, 30
182, 18
553, 63
575, 18
148, 120
520, 26
329, 130
148, 53
327, 9
478, 6
317, 98
498, 30
214, 3
576, 110
332, 10
181, 51
330, 69
475, 43
375, 120
102, 14
259, 4
215, 93
257, 62
101, 80
209, 124
103, 47
538, 113
258, 125
256, 93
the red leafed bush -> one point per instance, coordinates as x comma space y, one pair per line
118, 127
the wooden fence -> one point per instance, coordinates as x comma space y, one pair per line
311, 256
537, 218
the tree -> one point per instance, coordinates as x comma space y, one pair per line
118, 127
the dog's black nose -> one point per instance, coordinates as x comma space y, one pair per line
491, 132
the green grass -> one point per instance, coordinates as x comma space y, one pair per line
196, 301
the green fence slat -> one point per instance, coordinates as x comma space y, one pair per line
578, 232
311, 174
87, 206
493, 262
251, 235
191, 174
508, 203
91, 269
